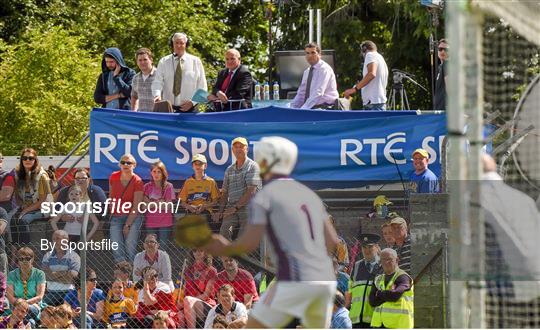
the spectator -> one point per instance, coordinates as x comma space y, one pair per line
61, 268
47, 318
142, 99
28, 283
392, 295
127, 187
155, 258
318, 87
7, 186
4, 221
199, 289
342, 278
388, 235
374, 80
155, 296
113, 87
122, 272
64, 317
423, 181
403, 243
17, 318
178, 76
90, 191
240, 183
53, 181
94, 304
233, 310
162, 321
117, 307
342, 251
73, 226
200, 192
220, 322
362, 277
32, 189
161, 192
442, 74
233, 83
3, 288
340, 314
240, 279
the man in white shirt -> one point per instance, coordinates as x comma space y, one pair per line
234, 311
178, 76
318, 88
375, 78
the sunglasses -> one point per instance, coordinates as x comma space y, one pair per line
28, 158
443, 49
123, 162
24, 258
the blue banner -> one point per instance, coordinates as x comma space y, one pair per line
334, 146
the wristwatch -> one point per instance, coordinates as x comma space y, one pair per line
356, 88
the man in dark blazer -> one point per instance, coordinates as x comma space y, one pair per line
233, 83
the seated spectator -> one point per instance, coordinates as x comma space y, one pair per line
32, 189
162, 321
4, 222
153, 297
234, 311
240, 279
17, 318
64, 317
48, 319
342, 278
233, 83
90, 191
125, 224
199, 289
123, 272
220, 322
28, 283
155, 258
200, 192
73, 226
388, 235
53, 181
3, 302
61, 268
340, 314
118, 308
94, 304
161, 191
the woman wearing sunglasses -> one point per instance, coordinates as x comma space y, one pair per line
28, 283
95, 301
125, 187
32, 189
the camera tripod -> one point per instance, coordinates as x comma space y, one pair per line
398, 90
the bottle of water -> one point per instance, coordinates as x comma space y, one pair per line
275, 88
266, 91
257, 96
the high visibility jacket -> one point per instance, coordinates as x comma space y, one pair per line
359, 288
398, 314
263, 285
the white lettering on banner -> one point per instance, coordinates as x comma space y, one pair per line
141, 148
374, 143
224, 151
127, 143
105, 150
344, 153
389, 153
429, 149
128, 138
185, 154
198, 145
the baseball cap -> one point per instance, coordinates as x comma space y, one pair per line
398, 221
369, 239
240, 140
422, 152
200, 158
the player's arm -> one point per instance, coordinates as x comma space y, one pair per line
330, 237
247, 242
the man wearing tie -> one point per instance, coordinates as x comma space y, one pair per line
318, 88
233, 84
178, 76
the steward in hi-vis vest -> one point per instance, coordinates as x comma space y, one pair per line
392, 295
362, 278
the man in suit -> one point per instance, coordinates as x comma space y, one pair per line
233, 83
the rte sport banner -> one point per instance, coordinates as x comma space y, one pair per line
335, 148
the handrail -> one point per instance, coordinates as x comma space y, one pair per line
74, 149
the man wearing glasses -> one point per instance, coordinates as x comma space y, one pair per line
440, 81
153, 257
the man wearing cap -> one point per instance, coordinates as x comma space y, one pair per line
199, 193
403, 243
240, 182
362, 277
423, 180
392, 295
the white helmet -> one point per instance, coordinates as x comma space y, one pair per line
276, 155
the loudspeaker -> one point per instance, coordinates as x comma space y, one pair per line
171, 40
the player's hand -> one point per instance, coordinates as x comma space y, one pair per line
348, 92
216, 244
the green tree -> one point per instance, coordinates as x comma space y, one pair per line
46, 94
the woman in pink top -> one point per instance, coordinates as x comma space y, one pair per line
159, 196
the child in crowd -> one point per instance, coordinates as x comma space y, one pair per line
161, 321
122, 272
64, 317
117, 307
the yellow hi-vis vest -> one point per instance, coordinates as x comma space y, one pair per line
359, 288
262, 284
398, 314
